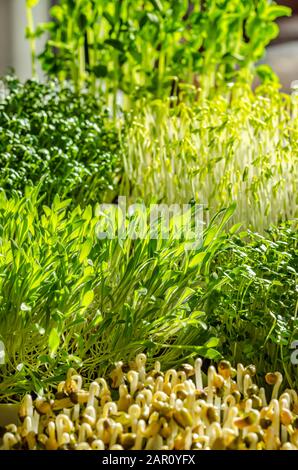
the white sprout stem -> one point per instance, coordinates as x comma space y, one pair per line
247, 382
35, 422
171, 378
141, 361
253, 440
9, 440
133, 378
210, 393
140, 435
27, 425
198, 374
93, 392
248, 405
154, 443
262, 395
187, 439
274, 405
270, 444
284, 434
217, 403
85, 431
28, 405
76, 412
276, 386
116, 431
213, 432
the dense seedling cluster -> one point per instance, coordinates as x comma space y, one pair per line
155, 410
239, 147
152, 101
70, 297
67, 295
256, 308
52, 136
157, 47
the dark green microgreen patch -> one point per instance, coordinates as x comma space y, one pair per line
255, 312
51, 133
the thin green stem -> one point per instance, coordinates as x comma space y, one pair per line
32, 41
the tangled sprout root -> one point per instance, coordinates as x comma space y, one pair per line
156, 410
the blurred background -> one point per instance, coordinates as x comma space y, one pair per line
14, 48
282, 55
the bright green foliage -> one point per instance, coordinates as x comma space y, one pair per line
149, 47
51, 132
239, 147
68, 297
197, 132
